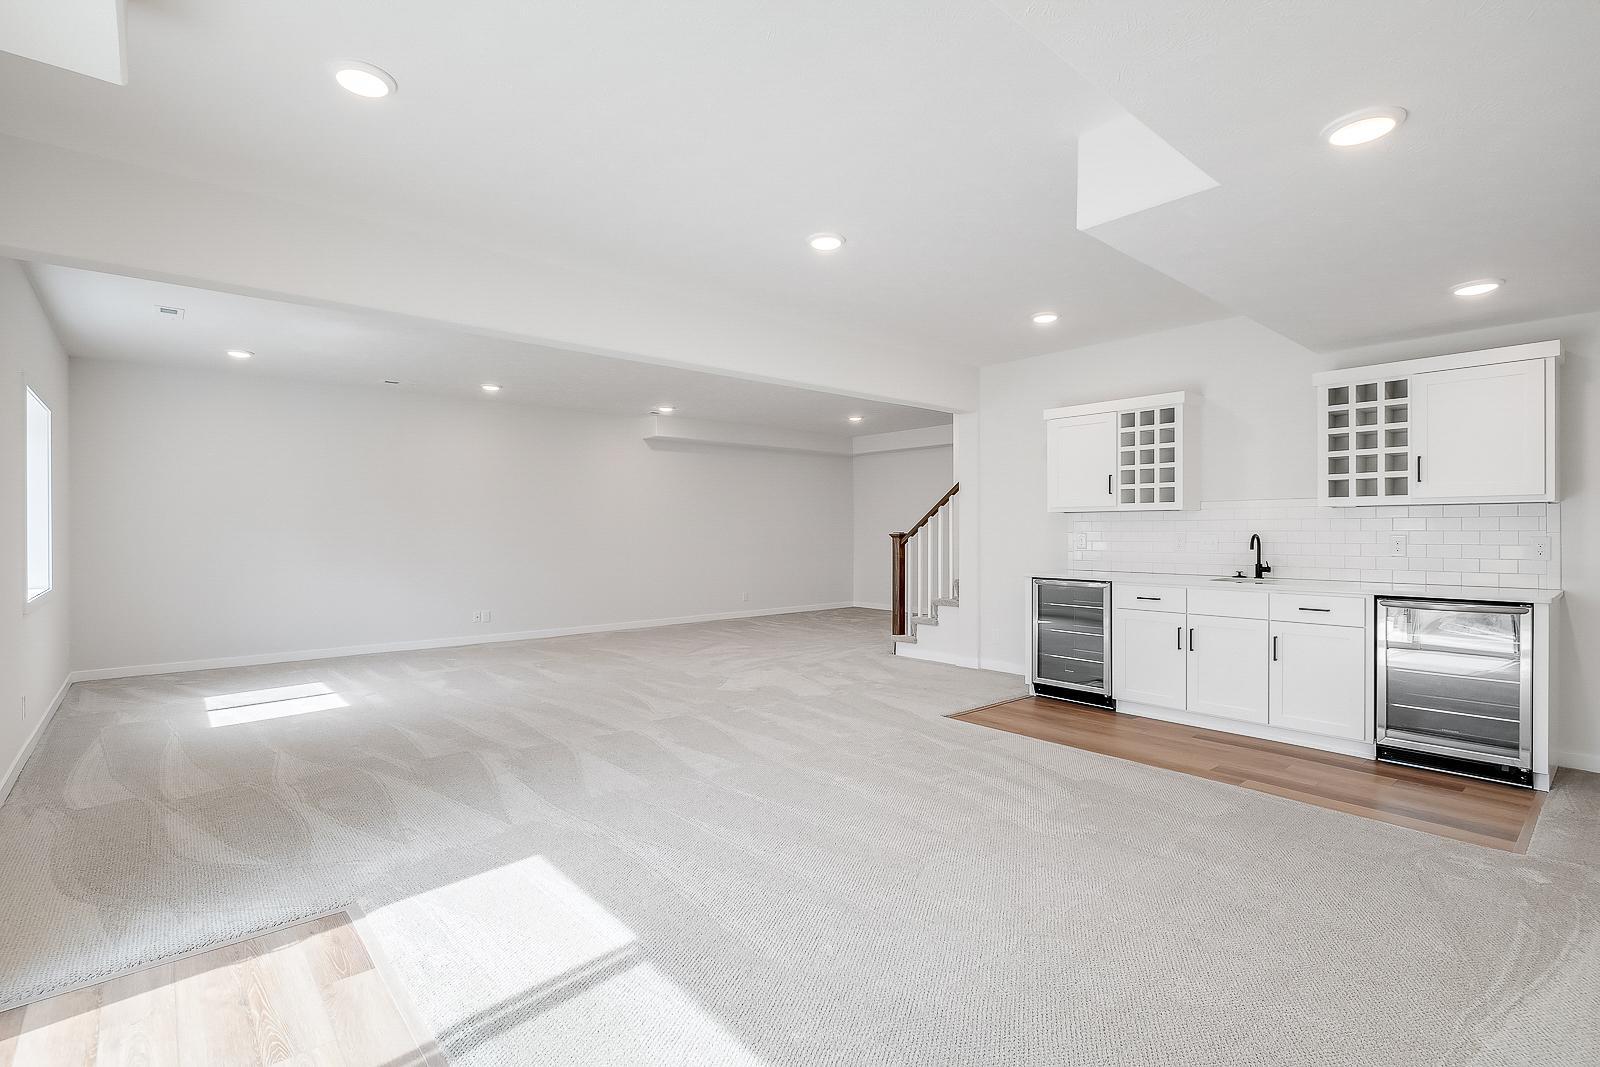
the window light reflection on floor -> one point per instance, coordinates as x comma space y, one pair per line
233, 709
545, 971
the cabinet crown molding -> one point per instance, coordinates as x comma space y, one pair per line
1453, 361
1154, 400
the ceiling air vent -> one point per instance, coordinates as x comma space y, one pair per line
170, 312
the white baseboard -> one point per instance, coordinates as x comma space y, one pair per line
1004, 667
873, 607
461, 641
934, 655
15, 770
1578, 761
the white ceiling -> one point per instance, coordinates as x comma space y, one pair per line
700, 140
106, 316
1496, 172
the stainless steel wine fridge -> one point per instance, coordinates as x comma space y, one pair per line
1455, 687
1072, 640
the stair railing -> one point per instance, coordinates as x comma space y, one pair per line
925, 564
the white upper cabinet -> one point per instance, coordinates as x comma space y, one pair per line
1468, 428
1081, 462
1121, 455
1479, 431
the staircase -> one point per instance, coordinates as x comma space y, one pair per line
925, 570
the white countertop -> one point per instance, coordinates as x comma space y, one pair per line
1436, 591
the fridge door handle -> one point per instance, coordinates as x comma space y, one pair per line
1457, 605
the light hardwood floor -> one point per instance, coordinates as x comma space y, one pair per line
307, 994
1484, 813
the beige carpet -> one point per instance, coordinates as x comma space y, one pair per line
759, 843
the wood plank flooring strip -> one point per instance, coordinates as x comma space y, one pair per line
1482, 813
61, 1030
138, 1017
10, 1030
308, 994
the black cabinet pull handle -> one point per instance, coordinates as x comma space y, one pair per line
1191, 639
1180, 639
1108, 484
1316, 609
1419, 470
1147, 598
1274, 648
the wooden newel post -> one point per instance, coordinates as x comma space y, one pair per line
897, 596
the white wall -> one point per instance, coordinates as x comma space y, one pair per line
33, 645
221, 514
1257, 444
892, 491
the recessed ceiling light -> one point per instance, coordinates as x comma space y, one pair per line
664, 409
240, 353
489, 387
365, 80
1477, 288
1359, 127
855, 418
825, 242
1045, 318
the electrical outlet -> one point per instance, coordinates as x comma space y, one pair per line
1541, 547
1082, 542
477, 616
488, 616
1397, 544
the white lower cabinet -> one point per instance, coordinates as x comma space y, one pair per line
1297, 661
1147, 657
1319, 679
1227, 669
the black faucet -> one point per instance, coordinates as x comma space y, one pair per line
1261, 568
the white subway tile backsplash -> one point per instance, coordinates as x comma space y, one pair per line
1483, 545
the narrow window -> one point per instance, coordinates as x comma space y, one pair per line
39, 563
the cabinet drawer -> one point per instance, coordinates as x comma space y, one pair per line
1149, 597
1319, 608
1228, 603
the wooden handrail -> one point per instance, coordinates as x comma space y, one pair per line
954, 489
897, 602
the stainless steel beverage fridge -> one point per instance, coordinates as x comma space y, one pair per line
1072, 640
1455, 687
